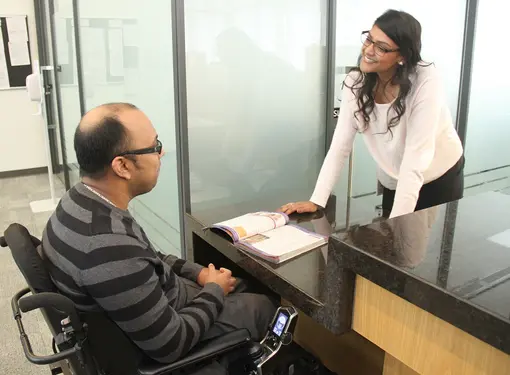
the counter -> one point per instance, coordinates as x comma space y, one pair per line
428, 290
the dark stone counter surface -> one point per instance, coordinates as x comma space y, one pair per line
452, 261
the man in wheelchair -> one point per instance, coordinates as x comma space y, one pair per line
100, 257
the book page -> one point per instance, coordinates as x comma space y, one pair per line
283, 241
253, 223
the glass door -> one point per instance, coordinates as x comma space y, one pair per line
65, 78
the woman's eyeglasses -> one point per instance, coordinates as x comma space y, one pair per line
379, 49
142, 151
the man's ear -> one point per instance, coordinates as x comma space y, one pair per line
121, 167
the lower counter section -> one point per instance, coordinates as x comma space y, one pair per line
417, 342
394, 337
344, 354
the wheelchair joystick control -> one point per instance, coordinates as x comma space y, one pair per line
279, 334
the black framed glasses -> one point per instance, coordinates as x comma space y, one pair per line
379, 49
142, 151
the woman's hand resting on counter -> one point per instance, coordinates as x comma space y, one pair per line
298, 207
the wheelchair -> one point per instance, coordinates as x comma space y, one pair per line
89, 343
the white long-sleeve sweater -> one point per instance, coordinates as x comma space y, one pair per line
424, 144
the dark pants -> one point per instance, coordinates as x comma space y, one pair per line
449, 187
242, 309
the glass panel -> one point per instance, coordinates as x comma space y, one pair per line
50, 79
487, 151
131, 46
68, 83
256, 85
445, 53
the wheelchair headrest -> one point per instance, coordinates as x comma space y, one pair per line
24, 251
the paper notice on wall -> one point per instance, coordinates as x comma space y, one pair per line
17, 29
93, 44
130, 35
115, 23
116, 49
18, 51
4, 74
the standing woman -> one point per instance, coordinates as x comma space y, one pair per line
398, 104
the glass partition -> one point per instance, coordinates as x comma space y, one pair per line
445, 52
487, 151
256, 82
255, 89
67, 71
126, 49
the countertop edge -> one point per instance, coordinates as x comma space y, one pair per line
475, 320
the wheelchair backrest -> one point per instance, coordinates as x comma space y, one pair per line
113, 351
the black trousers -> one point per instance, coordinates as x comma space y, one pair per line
449, 187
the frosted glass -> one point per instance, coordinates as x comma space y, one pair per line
444, 52
256, 85
127, 57
488, 132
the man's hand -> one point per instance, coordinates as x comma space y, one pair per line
202, 276
222, 277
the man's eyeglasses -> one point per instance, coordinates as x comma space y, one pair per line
380, 50
142, 151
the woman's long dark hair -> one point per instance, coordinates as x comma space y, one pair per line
405, 31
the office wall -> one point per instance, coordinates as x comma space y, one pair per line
21, 134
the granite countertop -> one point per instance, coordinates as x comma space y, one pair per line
452, 260
313, 282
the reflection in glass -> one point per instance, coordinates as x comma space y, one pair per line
255, 90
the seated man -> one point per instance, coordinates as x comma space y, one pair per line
101, 258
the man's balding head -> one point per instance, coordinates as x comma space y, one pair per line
101, 135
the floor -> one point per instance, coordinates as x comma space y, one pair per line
16, 195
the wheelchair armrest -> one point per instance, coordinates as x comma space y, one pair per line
202, 352
56, 301
29, 303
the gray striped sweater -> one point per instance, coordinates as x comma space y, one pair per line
101, 258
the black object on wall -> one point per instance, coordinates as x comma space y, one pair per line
17, 74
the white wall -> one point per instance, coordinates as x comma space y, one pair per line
21, 134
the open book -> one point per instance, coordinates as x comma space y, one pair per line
269, 236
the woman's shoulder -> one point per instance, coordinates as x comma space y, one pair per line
427, 79
353, 79
426, 72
